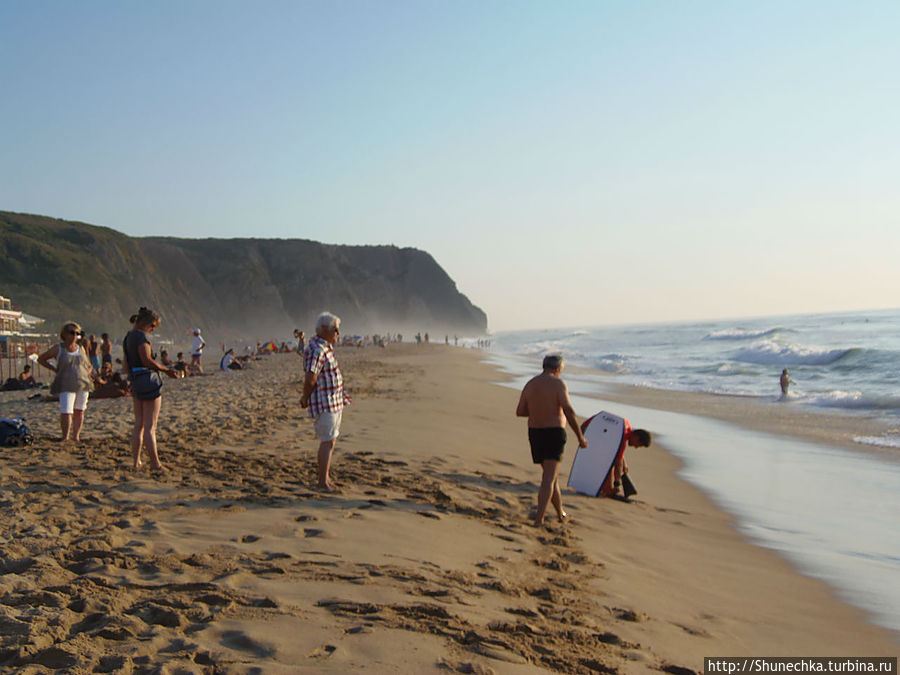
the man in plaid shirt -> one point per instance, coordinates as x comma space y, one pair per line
323, 391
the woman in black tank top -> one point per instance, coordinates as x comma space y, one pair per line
141, 365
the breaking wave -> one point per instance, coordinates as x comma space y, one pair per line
740, 334
772, 353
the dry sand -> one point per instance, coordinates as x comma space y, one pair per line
424, 561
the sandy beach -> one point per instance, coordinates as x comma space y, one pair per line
423, 562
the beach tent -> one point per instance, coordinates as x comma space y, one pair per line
270, 346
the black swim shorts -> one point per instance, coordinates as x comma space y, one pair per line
546, 443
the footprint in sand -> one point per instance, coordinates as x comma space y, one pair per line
238, 640
322, 652
312, 532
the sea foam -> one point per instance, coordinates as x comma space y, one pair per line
740, 334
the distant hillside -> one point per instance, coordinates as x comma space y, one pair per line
250, 288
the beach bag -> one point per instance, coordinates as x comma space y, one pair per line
14, 432
146, 385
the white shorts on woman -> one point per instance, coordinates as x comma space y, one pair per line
69, 401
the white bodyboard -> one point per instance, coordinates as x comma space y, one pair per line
592, 464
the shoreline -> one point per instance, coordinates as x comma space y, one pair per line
837, 427
423, 563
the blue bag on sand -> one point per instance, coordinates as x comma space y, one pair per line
14, 432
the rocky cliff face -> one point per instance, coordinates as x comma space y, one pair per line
250, 288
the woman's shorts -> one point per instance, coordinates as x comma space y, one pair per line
69, 401
328, 425
546, 443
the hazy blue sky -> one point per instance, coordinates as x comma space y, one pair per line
568, 163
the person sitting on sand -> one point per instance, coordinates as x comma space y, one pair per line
785, 382
26, 378
107, 375
180, 364
109, 383
228, 361
545, 402
634, 438
164, 358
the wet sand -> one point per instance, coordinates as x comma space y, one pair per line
424, 562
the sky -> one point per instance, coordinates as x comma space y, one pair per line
567, 163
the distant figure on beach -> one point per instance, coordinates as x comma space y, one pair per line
73, 381
323, 391
105, 349
301, 341
109, 383
197, 352
633, 438
26, 378
545, 402
93, 350
786, 382
228, 361
146, 386
180, 365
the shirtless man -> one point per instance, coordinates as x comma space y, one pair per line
785, 381
545, 402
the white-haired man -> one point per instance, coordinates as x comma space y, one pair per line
323, 391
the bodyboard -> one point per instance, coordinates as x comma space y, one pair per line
604, 434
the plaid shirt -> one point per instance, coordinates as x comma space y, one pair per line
328, 394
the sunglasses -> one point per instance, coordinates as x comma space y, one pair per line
77, 333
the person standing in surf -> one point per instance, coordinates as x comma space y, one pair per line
545, 402
785, 381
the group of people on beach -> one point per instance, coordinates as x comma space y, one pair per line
544, 400
79, 371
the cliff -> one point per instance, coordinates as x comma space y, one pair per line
232, 288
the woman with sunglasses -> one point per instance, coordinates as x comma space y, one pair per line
73, 381
146, 386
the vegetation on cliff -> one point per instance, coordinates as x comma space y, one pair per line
251, 288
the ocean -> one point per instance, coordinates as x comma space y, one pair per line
847, 362
831, 511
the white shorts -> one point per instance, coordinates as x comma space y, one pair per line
70, 401
328, 425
